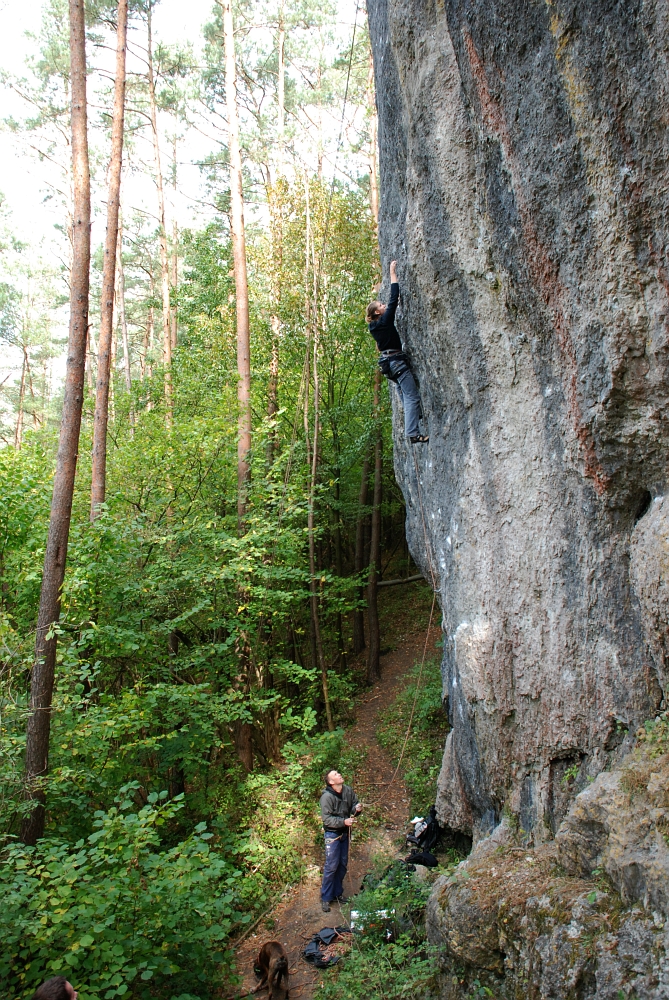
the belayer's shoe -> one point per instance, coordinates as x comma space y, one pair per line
342, 898
325, 906
419, 439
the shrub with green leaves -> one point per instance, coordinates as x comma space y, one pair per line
403, 969
115, 912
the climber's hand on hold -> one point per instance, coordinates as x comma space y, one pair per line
393, 272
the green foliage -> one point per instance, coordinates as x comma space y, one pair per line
375, 967
425, 744
115, 910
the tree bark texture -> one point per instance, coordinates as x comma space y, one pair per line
239, 258
41, 686
373, 652
99, 463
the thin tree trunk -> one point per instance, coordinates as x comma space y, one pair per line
101, 417
41, 685
174, 281
243, 730
151, 332
373, 661
162, 230
18, 433
313, 585
239, 257
359, 558
174, 275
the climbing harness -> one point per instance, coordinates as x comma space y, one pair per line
384, 363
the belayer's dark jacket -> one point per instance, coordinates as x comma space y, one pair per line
383, 330
335, 809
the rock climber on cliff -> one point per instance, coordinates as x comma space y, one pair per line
393, 362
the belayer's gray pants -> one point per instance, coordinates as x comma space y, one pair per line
408, 390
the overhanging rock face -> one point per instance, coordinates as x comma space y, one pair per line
525, 193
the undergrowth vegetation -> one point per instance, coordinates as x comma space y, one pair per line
402, 967
419, 702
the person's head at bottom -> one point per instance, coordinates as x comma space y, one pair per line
57, 988
334, 779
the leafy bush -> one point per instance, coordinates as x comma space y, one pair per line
114, 912
403, 969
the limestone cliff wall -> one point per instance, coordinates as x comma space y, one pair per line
524, 158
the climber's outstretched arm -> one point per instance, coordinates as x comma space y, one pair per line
391, 308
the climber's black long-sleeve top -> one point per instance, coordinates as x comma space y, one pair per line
383, 330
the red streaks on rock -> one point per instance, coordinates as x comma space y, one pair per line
543, 269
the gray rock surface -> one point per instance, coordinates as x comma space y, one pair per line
586, 916
524, 162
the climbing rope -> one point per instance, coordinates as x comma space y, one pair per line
429, 626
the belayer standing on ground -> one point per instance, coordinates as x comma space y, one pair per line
393, 362
339, 807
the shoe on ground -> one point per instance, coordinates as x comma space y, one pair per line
342, 899
325, 906
419, 439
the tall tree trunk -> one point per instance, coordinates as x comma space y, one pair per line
311, 525
373, 661
277, 241
239, 258
359, 558
100, 419
18, 433
41, 685
174, 262
243, 730
162, 230
124, 325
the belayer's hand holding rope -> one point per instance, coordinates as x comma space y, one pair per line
393, 362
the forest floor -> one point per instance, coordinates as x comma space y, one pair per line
386, 804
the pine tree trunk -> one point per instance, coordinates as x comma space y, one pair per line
162, 230
311, 525
100, 420
359, 558
243, 730
239, 257
373, 653
42, 679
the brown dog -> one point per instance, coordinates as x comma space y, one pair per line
273, 965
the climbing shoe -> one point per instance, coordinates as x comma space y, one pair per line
419, 439
325, 906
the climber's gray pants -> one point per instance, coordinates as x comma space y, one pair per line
408, 391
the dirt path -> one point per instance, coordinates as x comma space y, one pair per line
298, 916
